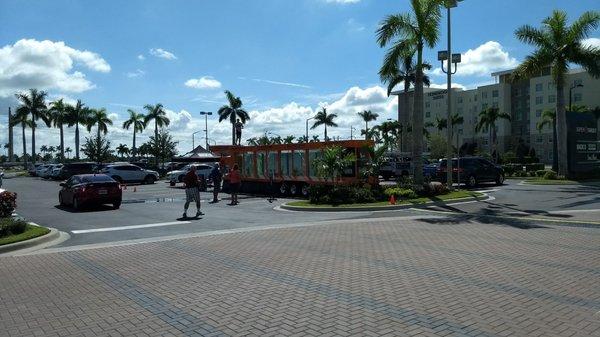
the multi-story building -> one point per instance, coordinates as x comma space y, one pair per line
524, 101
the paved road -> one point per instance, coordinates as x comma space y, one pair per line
423, 276
154, 211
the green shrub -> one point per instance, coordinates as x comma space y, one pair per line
343, 194
400, 193
10, 226
433, 189
550, 175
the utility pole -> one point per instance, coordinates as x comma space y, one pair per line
206, 114
10, 137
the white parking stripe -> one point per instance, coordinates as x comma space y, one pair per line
122, 228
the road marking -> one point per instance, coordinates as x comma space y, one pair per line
122, 228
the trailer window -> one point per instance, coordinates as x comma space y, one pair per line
286, 163
260, 163
273, 167
312, 156
298, 168
248, 167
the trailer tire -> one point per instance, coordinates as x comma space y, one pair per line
304, 190
283, 189
294, 189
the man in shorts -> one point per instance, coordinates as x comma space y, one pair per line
238, 131
192, 191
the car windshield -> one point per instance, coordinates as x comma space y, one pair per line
98, 178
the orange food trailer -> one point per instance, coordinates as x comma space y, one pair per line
288, 168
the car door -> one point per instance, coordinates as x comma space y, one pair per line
68, 189
488, 169
137, 173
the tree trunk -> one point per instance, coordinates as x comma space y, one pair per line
561, 126
62, 144
493, 152
24, 147
98, 136
156, 142
366, 130
33, 143
325, 133
554, 148
134, 150
233, 142
77, 140
418, 122
406, 105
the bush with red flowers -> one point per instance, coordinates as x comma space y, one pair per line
8, 203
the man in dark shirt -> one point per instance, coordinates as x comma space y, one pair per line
216, 176
192, 191
238, 131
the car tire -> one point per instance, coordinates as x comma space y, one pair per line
117, 204
500, 179
471, 181
60, 199
149, 180
171, 183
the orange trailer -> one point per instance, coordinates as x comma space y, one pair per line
288, 168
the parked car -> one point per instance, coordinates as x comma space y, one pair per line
55, 174
90, 190
32, 169
71, 169
400, 168
202, 170
42, 170
472, 171
130, 173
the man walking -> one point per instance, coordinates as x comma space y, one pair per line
192, 191
217, 177
238, 131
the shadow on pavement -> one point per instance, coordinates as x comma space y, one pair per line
86, 209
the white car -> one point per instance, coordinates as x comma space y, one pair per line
175, 177
55, 173
130, 173
43, 171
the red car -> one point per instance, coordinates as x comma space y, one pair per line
90, 189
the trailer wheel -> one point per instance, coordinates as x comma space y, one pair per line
283, 189
304, 190
294, 189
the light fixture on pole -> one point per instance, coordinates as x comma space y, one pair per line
446, 55
206, 114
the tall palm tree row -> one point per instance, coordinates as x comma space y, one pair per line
58, 117
410, 33
100, 119
323, 118
77, 114
487, 122
233, 111
157, 114
559, 45
33, 103
122, 150
22, 118
137, 121
367, 116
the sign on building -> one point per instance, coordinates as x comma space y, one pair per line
583, 143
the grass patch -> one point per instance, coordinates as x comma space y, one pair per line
452, 195
29, 233
542, 181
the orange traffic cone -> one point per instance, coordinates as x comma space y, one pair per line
392, 200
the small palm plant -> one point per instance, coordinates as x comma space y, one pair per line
333, 162
487, 122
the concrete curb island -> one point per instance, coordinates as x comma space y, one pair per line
379, 208
51, 238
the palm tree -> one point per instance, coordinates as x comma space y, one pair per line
487, 121
137, 121
44, 149
367, 117
58, 117
289, 140
548, 118
22, 118
99, 118
559, 46
159, 116
233, 111
33, 104
122, 150
68, 150
413, 31
322, 118
77, 114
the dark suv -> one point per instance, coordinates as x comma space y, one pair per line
69, 170
472, 170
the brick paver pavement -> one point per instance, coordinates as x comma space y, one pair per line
381, 277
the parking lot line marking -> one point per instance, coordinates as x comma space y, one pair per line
122, 228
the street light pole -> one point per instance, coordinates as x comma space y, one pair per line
206, 114
307, 127
194, 140
352, 128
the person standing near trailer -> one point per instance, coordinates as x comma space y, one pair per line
238, 131
217, 177
235, 181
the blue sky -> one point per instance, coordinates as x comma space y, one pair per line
283, 57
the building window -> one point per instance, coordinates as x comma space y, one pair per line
577, 97
460, 100
538, 113
484, 106
460, 131
550, 155
539, 87
495, 105
427, 104
539, 100
475, 98
484, 95
495, 93
552, 99
539, 139
427, 114
551, 86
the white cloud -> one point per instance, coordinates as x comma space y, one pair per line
204, 82
159, 52
141, 57
483, 60
136, 73
287, 84
343, 1
46, 65
354, 26
445, 86
591, 42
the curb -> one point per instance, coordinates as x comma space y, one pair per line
378, 208
40, 241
